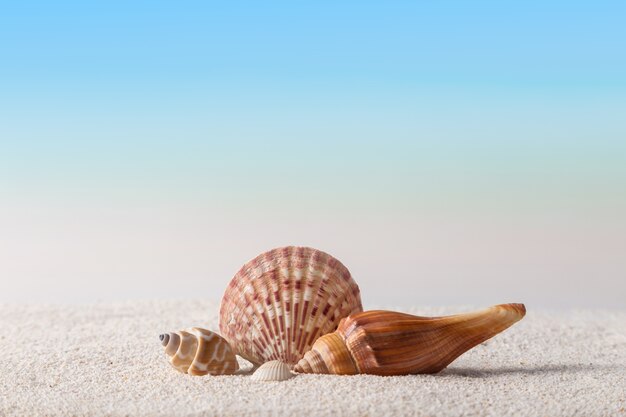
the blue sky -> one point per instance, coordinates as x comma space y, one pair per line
399, 44
441, 112
163, 97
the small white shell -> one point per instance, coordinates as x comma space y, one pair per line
272, 371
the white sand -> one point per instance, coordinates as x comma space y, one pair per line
106, 360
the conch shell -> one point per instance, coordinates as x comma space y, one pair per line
283, 300
391, 343
199, 351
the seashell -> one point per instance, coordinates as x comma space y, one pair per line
283, 300
391, 343
272, 371
199, 351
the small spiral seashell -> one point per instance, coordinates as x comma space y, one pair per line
199, 351
272, 371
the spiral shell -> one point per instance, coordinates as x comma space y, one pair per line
199, 351
391, 343
280, 302
272, 371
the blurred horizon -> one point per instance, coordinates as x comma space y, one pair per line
446, 153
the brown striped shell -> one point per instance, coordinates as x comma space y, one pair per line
391, 343
283, 300
199, 351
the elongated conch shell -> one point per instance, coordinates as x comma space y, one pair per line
283, 300
199, 351
391, 343
272, 371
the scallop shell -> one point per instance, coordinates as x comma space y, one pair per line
199, 351
272, 371
283, 300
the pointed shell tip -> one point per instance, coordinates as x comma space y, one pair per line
518, 308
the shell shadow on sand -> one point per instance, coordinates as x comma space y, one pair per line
470, 372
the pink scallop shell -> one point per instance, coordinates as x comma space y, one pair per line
283, 300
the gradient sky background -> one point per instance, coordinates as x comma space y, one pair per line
446, 152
